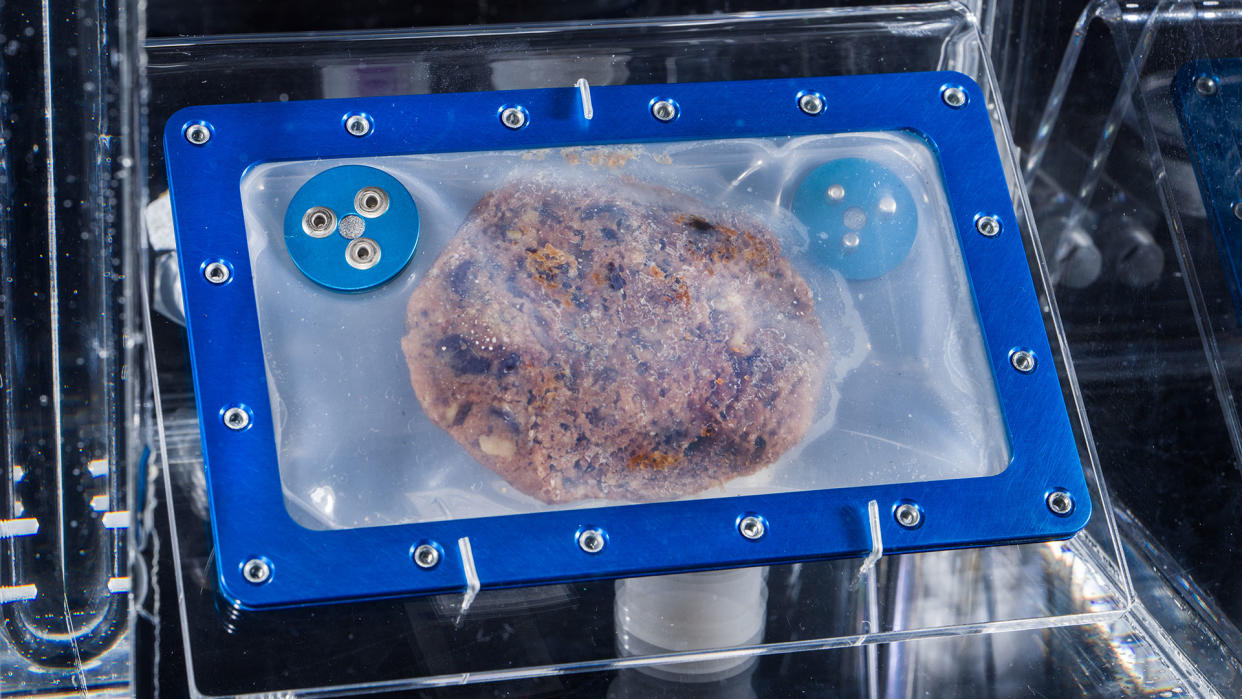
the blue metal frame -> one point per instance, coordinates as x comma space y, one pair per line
249, 518
1212, 126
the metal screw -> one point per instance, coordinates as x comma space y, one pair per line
358, 125
256, 571
362, 253
1060, 502
811, 103
591, 540
426, 556
217, 272
513, 117
197, 134
1206, 85
1022, 360
318, 222
371, 201
664, 110
1237, 210
954, 96
907, 515
236, 418
752, 527
988, 226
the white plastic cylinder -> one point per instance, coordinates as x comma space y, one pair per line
692, 611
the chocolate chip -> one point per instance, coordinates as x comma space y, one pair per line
507, 417
462, 412
700, 224
615, 280
509, 364
455, 351
459, 278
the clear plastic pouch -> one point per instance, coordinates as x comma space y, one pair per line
907, 393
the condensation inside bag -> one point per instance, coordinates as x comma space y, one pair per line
907, 393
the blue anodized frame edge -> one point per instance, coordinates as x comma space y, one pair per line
1212, 128
248, 514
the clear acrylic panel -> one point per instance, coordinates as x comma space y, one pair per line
573, 628
71, 375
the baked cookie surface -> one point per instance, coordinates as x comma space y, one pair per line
615, 340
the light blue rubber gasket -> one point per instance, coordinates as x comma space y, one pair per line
860, 216
323, 259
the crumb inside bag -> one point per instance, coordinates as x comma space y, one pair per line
614, 340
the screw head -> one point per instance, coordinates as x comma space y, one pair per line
217, 272
591, 540
954, 96
1022, 360
811, 103
513, 117
236, 418
1237, 210
1060, 502
426, 556
664, 110
752, 527
908, 515
256, 571
198, 134
358, 125
988, 226
1206, 85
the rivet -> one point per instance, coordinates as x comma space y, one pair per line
362, 253
954, 96
198, 134
908, 515
1206, 85
236, 418
1022, 360
1237, 210
811, 103
664, 110
371, 201
513, 117
217, 273
591, 540
988, 226
318, 222
426, 556
358, 125
1060, 502
256, 571
752, 527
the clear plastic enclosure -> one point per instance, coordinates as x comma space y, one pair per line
906, 394
547, 633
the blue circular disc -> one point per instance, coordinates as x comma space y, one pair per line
861, 217
351, 228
